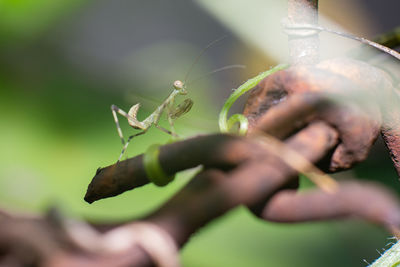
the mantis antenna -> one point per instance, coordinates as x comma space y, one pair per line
200, 54
235, 66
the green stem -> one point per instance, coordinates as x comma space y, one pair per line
390, 258
153, 168
224, 124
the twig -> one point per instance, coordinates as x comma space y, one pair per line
349, 200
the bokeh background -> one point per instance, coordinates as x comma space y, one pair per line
64, 62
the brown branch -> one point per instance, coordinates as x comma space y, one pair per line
212, 193
253, 183
349, 200
212, 151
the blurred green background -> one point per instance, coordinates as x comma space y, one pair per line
64, 62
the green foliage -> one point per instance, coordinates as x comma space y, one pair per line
26, 19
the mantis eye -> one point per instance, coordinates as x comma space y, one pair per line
178, 85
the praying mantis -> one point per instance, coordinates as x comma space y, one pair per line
179, 88
172, 113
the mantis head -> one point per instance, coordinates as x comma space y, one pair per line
180, 86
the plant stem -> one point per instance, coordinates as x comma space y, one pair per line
390, 258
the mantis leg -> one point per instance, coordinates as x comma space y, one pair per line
171, 123
165, 130
114, 110
127, 143
171, 120
174, 113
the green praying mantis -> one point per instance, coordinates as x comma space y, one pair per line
172, 113
167, 107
